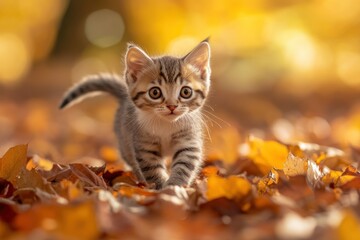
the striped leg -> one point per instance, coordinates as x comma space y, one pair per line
151, 164
186, 159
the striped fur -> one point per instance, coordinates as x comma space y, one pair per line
150, 130
109, 83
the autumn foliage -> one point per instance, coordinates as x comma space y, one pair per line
271, 190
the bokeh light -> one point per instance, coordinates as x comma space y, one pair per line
104, 28
14, 57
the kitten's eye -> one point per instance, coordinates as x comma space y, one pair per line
155, 93
186, 92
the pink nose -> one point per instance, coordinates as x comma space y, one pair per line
171, 107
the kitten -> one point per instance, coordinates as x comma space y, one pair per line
160, 112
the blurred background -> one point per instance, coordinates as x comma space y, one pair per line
287, 70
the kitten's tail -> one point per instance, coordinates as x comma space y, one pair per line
96, 83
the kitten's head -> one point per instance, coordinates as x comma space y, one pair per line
168, 87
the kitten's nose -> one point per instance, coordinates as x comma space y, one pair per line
171, 107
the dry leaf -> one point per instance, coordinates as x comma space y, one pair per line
264, 183
267, 154
295, 166
12, 162
232, 187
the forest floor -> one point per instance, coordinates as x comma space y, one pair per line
292, 176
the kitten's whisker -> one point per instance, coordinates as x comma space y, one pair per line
208, 119
212, 120
208, 106
207, 129
229, 125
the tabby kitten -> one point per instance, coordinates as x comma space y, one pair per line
160, 112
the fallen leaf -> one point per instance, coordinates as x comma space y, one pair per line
232, 187
336, 178
267, 154
32, 179
12, 162
295, 166
210, 171
315, 174
352, 184
264, 184
87, 176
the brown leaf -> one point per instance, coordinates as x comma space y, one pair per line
87, 176
32, 179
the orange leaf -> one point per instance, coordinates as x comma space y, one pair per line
232, 187
267, 154
12, 162
210, 171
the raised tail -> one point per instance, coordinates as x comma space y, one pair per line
108, 83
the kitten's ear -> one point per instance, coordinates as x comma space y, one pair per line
199, 58
136, 61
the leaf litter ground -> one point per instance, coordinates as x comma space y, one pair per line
249, 188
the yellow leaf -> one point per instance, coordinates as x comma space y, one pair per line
224, 145
349, 227
337, 178
267, 154
265, 182
232, 187
39, 163
12, 162
295, 166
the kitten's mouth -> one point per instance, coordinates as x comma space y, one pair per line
171, 116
